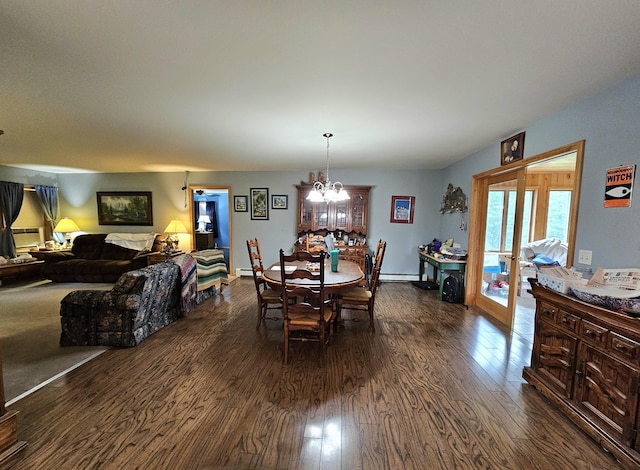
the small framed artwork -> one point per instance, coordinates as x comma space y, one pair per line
402, 209
124, 208
511, 149
279, 201
240, 204
259, 203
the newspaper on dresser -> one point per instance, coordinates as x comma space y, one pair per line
623, 279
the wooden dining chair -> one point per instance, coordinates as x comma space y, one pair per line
363, 298
268, 299
306, 310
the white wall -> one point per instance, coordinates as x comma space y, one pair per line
610, 123
78, 202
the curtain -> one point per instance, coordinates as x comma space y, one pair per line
48, 196
211, 212
11, 196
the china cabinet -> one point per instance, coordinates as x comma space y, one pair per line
347, 220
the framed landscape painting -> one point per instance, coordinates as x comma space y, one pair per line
240, 204
124, 208
259, 204
279, 201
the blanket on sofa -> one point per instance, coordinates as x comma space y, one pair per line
188, 282
211, 269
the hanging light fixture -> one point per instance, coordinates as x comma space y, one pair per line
326, 191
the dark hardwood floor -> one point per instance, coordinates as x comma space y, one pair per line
435, 387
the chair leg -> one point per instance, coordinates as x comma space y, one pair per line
260, 314
286, 344
371, 323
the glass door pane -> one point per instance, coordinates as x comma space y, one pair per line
498, 285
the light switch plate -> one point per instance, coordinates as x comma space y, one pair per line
584, 257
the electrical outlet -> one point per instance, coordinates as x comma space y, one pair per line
584, 257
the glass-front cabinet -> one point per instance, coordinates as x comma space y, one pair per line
348, 217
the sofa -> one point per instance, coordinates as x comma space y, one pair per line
93, 259
140, 303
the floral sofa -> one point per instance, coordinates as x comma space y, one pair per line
93, 259
141, 302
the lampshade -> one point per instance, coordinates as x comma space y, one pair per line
175, 226
66, 225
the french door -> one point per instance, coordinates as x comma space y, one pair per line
503, 197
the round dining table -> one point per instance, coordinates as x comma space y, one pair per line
348, 274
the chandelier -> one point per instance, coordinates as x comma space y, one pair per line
326, 191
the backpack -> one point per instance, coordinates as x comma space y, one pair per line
451, 291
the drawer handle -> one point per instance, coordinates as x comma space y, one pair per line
622, 347
592, 333
565, 320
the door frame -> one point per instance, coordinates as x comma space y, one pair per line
194, 187
478, 219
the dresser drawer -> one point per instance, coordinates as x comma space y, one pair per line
547, 311
591, 331
568, 320
623, 347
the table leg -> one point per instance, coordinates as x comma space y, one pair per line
421, 269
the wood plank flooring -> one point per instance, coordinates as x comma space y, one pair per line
435, 387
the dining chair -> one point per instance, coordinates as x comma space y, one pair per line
268, 299
307, 312
363, 298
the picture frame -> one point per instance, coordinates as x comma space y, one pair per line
511, 149
259, 203
279, 201
124, 208
402, 208
241, 203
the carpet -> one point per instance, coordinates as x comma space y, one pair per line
30, 335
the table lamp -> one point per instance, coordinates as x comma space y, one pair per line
66, 225
171, 243
203, 220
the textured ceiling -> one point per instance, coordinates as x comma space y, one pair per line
125, 86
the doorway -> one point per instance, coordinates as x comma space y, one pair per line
514, 209
210, 220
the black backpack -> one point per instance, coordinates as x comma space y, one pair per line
451, 291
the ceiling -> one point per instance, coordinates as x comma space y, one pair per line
128, 86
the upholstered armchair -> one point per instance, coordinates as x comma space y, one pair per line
141, 302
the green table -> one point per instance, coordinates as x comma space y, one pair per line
440, 266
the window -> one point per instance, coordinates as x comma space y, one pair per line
502, 206
558, 214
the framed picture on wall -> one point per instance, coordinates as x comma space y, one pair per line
511, 149
240, 203
279, 201
124, 208
402, 209
259, 203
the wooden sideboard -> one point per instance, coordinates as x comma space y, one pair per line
586, 360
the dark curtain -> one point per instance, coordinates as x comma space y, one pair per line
211, 212
48, 196
11, 196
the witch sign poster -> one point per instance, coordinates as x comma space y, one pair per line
619, 186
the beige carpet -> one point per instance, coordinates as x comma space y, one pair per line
30, 335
